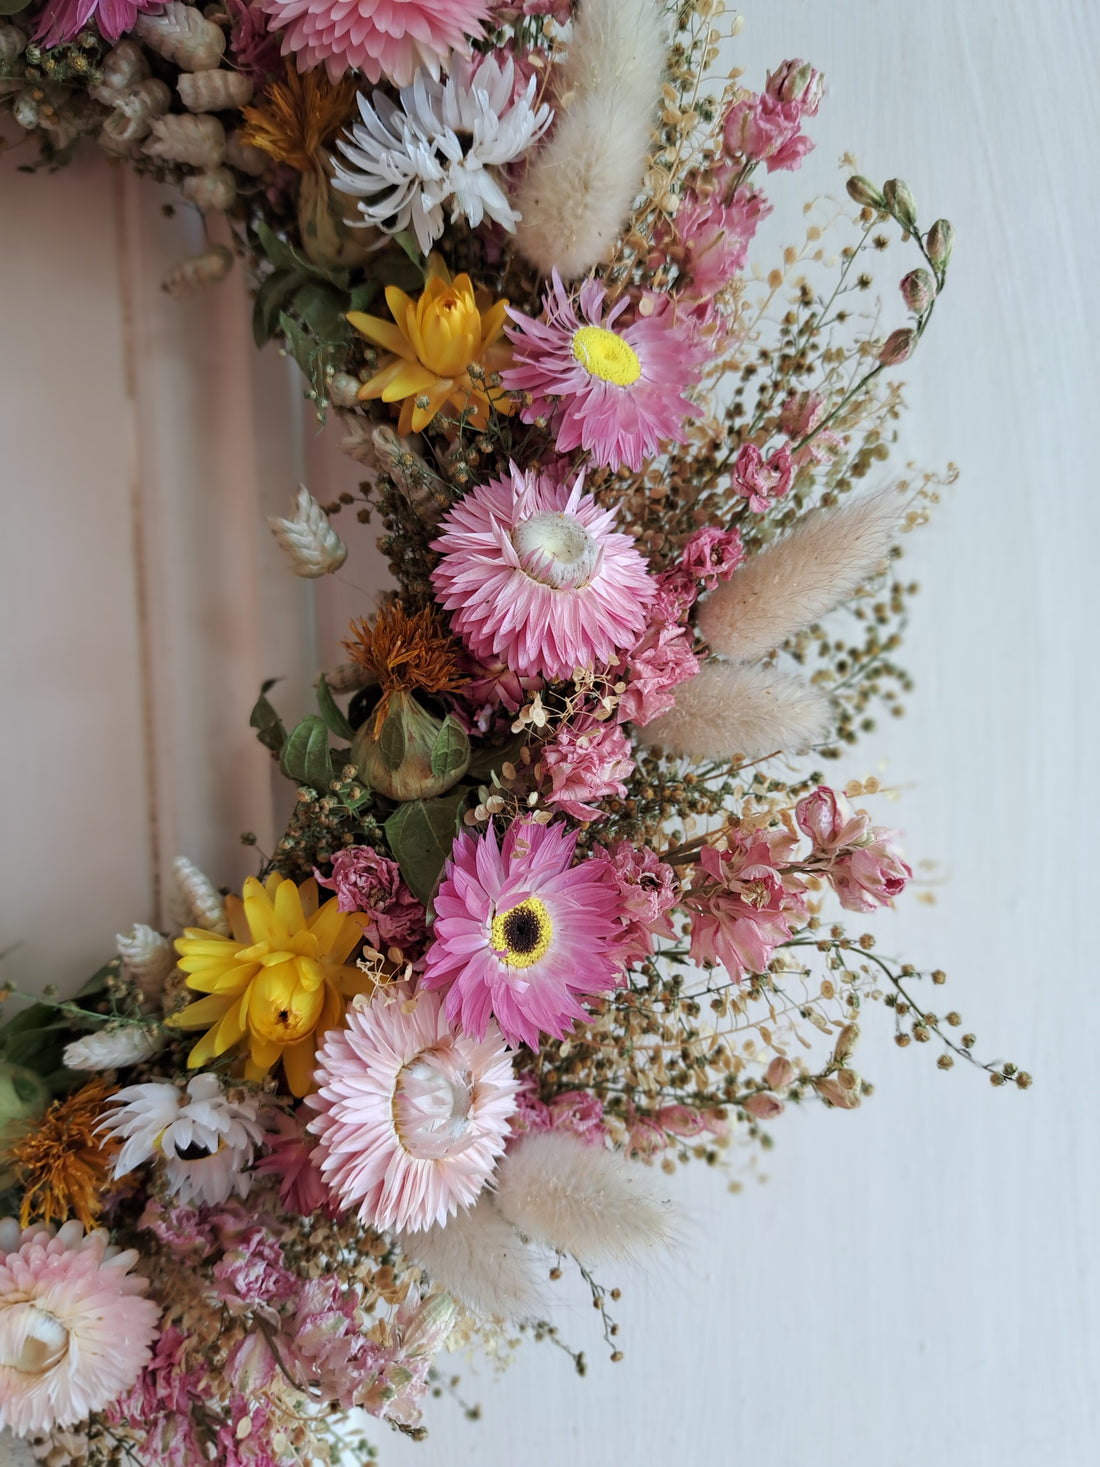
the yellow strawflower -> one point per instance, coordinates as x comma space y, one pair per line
433, 342
277, 984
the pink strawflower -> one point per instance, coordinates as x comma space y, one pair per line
411, 1114
648, 891
380, 38
615, 394
586, 761
760, 480
364, 881
744, 903
533, 574
74, 1329
519, 932
861, 861
291, 1158
712, 554
661, 661
61, 20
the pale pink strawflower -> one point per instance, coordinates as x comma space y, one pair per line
74, 1329
61, 20
534, 574
586, 761
859, 860
411, 1114
744, 902
760, 480
613, 392
393, 39
520, 932
366, 882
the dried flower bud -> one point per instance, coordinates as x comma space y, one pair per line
863, 191
844, 1089
799, 82
846, 1042
898, 346
764, 1107
901, 203
12, 44
918, 290
779, 1073
344, 390
939, 242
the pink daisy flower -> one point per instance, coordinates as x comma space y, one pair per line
519, 932
381, 38
411, 1115
61, 20
534, 575
74, 1331
615, 394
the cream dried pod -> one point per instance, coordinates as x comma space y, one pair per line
181, 33
199, 141
214, 91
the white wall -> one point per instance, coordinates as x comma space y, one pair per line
914, 1283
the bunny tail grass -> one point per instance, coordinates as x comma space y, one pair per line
821, 562
580, 1199
580, 186
478, 1259
730, 710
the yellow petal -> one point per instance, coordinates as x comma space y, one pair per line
381, 333
299, 1062
288, 907
200, 1015
407, 381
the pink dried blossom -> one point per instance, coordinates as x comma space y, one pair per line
586, 761
61, 20
366, 882
184, 1231
648, 890
713, 554
661, 661
521, 932
861, 861
291, 1158
252, 1364
744, 902
614, 392
577, 1111
252, 1277
761, 480
330, 1344
380, 38
797, 84
709, 239
767, 128
253, 47
798, 418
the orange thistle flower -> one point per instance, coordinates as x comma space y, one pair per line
434, 342
295, 118
64, 1166
404, 653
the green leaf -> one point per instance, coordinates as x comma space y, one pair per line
270, 729
451, 750
99, 980
271, 297
485, 761
392, 742
322, 308
362, 296
285, 257
421, 834
332, 713
407, 240
13, 7
306, 756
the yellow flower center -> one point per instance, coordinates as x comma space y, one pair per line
522, 935
603, 354
284, 1004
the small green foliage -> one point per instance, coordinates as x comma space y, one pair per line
270, 729
420, 835
306, 756
451, 750
331, 712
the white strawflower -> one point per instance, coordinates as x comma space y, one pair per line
308, 538
111, 1049
444, 142
205, 1140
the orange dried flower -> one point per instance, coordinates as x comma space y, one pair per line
295, 118
63, 1166
405, 652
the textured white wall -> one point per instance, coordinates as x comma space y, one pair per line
915, 1281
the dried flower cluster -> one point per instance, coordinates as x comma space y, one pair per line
547, 911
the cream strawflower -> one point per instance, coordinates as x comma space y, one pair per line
412, 1113
444, 142
204, 1140
74, 1331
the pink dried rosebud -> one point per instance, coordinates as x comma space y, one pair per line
761, 480
918, 290
779, 1073
680, 1120
863, 191
900, 202
251, 1365
764, 1107
939, 242
797, 82
844, 1089
898, 347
